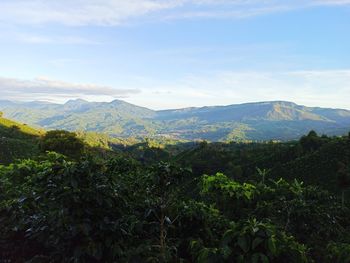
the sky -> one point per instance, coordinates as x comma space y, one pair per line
176, 53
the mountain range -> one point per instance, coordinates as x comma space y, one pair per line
274, 120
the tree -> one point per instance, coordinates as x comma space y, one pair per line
311, 142
343, 180
164, 192
63, 142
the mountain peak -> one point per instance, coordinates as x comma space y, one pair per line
76, 101
277, 102
117, 102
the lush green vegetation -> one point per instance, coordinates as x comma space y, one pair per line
248, 122
17, 140
114, 201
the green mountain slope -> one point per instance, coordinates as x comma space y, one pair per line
277, 120
17, 141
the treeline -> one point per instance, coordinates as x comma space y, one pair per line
316, 160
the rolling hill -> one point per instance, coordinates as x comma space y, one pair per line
276, 120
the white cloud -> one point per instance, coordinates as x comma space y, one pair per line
327, 88
324, 88
43, 88
77, 12
116, 12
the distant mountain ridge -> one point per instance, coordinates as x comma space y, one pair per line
271, 120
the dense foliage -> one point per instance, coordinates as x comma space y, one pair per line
191, 202
61, 211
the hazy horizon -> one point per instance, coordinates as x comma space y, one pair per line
176, 53
169, 108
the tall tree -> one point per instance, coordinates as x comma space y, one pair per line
343, 180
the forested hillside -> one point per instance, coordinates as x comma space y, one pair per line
260, 121
85, 197
17, 140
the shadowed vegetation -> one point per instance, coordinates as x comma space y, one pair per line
85, 197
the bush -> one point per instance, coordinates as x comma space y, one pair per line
63, 142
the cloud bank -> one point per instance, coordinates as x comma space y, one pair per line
324, 88
43, 88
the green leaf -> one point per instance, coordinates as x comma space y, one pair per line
264, 258
243, 244
227, 252
272, 245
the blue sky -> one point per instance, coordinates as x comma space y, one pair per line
176, 53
